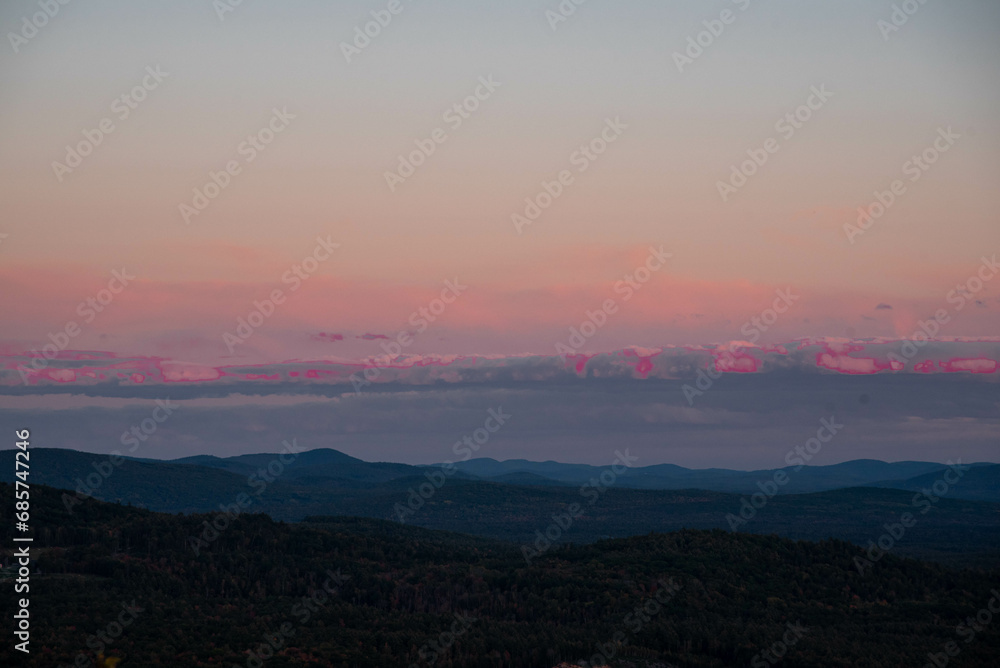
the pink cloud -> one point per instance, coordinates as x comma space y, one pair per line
975, 365
327, 336
808, 356
188, 319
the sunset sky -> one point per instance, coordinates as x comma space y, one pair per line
656, 184
614, 122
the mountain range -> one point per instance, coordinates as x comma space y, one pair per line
328, 467
518, 500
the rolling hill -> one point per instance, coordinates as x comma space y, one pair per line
952, 530
364, 593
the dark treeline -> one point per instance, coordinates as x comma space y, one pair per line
356, 592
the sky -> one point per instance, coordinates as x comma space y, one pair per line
193, 188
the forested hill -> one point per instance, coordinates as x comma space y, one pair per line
397, 595
951, 530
